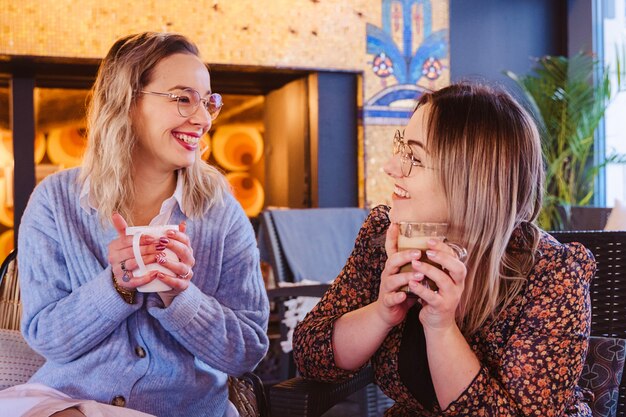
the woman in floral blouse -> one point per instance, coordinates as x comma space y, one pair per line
506, 332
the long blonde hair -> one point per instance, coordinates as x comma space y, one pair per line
126, 69
487, 151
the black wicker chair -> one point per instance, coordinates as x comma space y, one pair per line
608, 292
278, 366
306, 398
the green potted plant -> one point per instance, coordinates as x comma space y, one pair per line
569, 108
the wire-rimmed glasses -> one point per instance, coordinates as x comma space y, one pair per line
189, 100
406, 154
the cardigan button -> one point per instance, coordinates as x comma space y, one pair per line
119, 401
139, 351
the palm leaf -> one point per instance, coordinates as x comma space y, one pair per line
569, 108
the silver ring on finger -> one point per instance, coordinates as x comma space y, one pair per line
186, 275
127, 275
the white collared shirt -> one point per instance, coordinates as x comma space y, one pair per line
87, 203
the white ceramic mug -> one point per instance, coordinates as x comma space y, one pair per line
156, 232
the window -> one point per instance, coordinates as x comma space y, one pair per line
614, 41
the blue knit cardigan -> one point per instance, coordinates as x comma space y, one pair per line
170, 361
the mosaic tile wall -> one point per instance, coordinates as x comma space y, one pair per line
355, 35
407, 52
301, 33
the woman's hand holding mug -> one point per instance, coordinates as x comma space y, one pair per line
122, 258
152, 258
178, 242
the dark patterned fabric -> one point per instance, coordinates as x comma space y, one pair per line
532, 353
602, 374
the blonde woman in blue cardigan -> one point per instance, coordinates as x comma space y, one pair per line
166, 353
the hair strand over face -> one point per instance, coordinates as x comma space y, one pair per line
488, 154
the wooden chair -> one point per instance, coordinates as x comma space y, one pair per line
18, 361
306, 398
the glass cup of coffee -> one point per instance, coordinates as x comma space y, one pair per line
415, 235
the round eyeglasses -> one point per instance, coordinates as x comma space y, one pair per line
189, 100
408, 160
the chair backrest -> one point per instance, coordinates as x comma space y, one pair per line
247, 393
300, 244
311, 244
306, 244
18, 362
10, 305
584, 217
608, 289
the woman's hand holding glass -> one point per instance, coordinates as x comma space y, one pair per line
393, 305
439, 307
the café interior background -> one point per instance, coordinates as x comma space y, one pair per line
362, 36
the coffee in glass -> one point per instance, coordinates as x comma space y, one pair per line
415, 235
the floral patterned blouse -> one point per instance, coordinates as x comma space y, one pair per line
532, 353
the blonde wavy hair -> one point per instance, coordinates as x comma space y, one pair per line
487, 151
126, 69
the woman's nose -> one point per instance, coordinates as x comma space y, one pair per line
392, 167
201, 117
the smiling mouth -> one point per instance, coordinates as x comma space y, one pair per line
191, 140
400, 192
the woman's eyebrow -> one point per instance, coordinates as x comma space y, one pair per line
415, 142
183, 87
178, 87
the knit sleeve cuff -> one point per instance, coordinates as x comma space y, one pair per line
185, 306
107, 300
